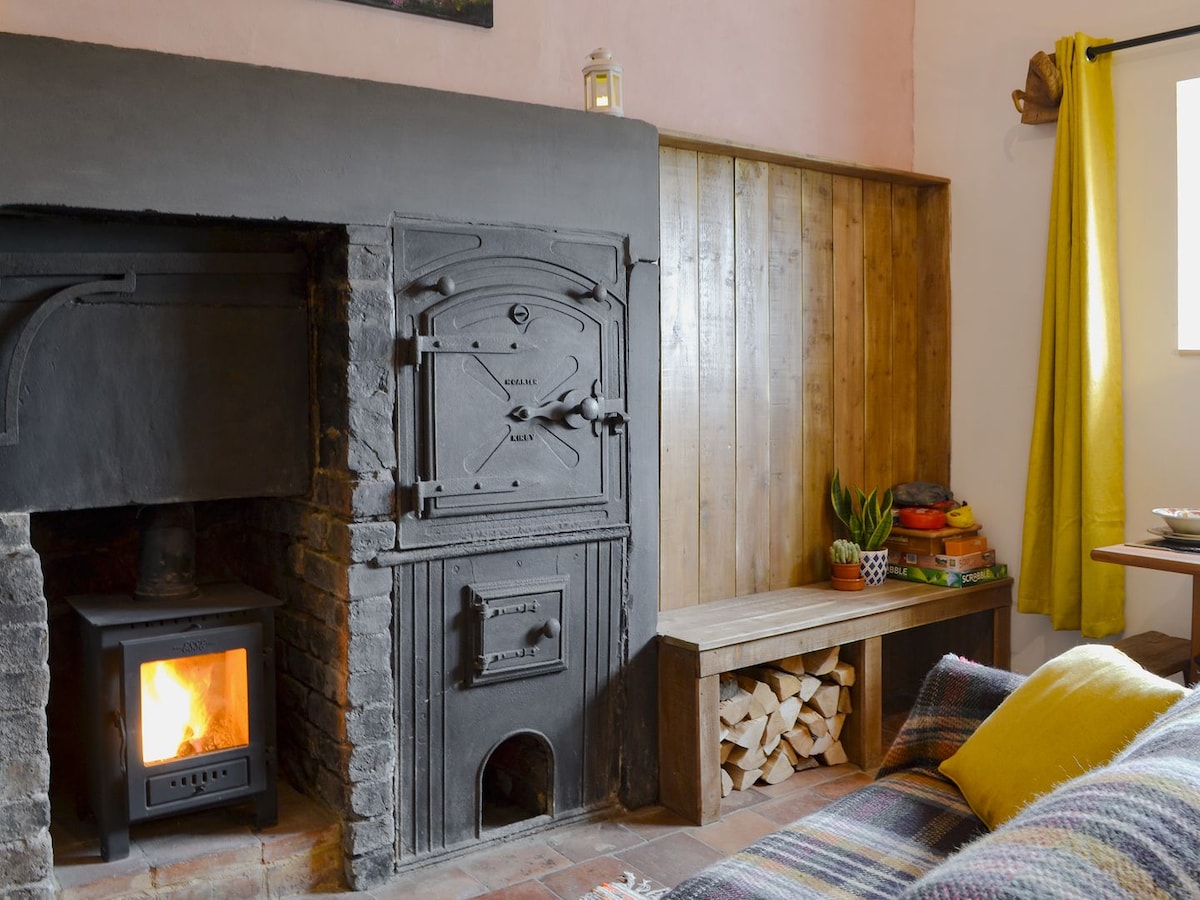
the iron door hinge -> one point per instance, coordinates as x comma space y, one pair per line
424, 491
414, 348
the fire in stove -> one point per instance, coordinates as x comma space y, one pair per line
194, 705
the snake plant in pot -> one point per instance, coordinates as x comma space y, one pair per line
868, 519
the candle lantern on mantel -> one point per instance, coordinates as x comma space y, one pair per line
602, 84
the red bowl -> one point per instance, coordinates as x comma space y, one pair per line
921, 517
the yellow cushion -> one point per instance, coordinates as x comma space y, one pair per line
1072, 714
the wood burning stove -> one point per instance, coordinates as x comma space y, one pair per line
178, 693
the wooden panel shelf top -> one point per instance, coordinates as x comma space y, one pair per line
728, 634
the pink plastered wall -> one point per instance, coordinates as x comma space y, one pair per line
829, 78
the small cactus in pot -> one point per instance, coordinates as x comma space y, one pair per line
845, 556
844, 552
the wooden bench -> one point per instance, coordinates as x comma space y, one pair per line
698, 643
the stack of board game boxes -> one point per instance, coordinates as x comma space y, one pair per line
948, 557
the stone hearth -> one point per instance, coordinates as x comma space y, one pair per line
112, 141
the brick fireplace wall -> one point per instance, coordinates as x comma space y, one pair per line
99, 129
25, 857
336, 683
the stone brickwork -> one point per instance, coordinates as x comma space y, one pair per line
25, 851
337, 691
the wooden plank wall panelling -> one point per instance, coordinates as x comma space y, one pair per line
805, 327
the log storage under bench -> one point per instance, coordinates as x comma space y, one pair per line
698, 644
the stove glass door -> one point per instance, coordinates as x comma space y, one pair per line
194, 704
189, 694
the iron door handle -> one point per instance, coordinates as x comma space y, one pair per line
575, 409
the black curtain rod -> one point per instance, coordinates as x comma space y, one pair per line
1092, 52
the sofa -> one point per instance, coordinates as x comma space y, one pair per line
1123, 825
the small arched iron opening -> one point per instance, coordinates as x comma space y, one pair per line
517, 782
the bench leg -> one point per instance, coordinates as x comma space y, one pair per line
862, 738
689, 737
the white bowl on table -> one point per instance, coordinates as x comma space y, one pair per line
1180, 519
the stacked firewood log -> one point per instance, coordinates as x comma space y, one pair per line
782, 718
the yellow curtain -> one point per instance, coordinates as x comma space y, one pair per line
1074, 499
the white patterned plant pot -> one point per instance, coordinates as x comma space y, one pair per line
874, 565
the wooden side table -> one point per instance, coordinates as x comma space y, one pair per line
697, 644
1145, 556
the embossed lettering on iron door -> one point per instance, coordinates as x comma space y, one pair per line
514, 340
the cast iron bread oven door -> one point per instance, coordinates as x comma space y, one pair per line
512, 382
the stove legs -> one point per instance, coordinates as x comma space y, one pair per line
114, 841
266, 807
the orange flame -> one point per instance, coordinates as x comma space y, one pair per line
197, 704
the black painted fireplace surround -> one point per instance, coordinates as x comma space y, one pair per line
398, 349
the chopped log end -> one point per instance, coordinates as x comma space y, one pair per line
776, 725
789, 752
777, 768
826, 699
792, 664
836, 723
747, 757
762, 700
742, 778
813, 721
784, 684
820, 662
770, 745
808, 687
844, 704
801, 740
748, 732
843, 674
789, 709
735, 708
821, 745
834, 755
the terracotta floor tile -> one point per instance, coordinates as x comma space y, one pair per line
790, 807
800, 781
671, 859
526, 890
514, 863
735, 831
816, 775
581, 842
653, 822
444, 882
575, 882
839, 787
743, 799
